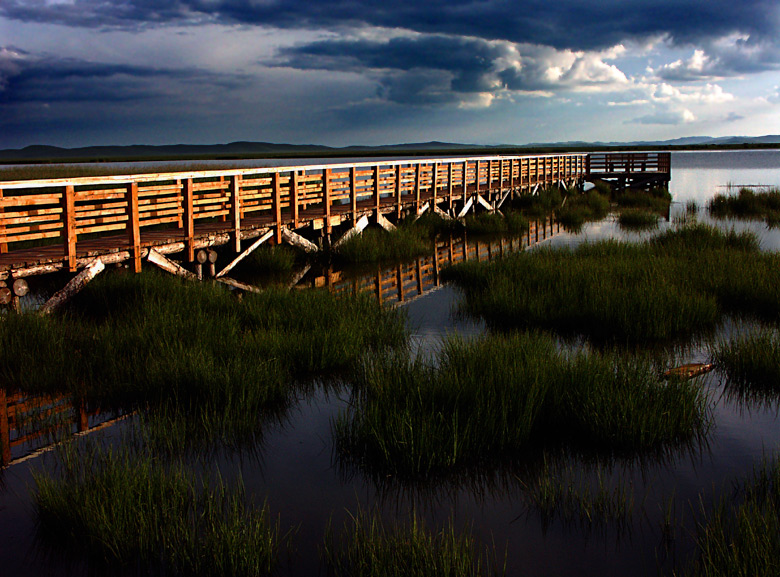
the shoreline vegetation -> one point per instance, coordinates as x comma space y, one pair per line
42, 155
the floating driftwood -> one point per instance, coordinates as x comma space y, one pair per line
684, 372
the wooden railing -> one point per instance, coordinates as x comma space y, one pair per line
617, 162
122, 207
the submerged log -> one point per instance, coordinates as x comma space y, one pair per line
74, 286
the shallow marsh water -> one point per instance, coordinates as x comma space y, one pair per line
296, 471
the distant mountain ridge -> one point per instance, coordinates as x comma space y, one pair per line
259, 149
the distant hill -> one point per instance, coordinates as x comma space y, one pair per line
234, 150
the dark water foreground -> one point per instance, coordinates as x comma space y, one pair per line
643, 500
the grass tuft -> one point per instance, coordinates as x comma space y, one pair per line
368, 548
119, 508
493, 398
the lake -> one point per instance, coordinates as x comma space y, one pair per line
296, 471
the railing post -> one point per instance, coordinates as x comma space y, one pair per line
435, 183
294, 183
278, 207
189, 220
398, 190
134, 225
376, 187
235, 210
3, 245
465, 179
450, 172
353, 192
417, 178
326, 198
69, 226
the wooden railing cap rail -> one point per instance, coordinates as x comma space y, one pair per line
162, 176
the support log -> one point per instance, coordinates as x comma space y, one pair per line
464, 211
297, 240
384, 223
441, 213
298, 276
484, 203
357, 229
168, 265
74, 286
239, 285
246, 253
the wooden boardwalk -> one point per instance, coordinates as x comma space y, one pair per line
55, 224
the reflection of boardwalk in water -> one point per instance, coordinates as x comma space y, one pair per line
404, 282
30, 422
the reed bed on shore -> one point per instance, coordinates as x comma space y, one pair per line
131, 512
627, 293
740, 534
367, 547
487, 400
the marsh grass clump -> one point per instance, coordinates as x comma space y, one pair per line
583, 207
751, 363
655, 200
367, 547
740, 535
485, 401
626, 293
637, 219
496, 223
270, 260
541, 204
376, 245
590, 496
747, 204
155, 342
125, 510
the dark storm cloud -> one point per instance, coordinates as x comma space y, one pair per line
419, 70
25, 78
576, 24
